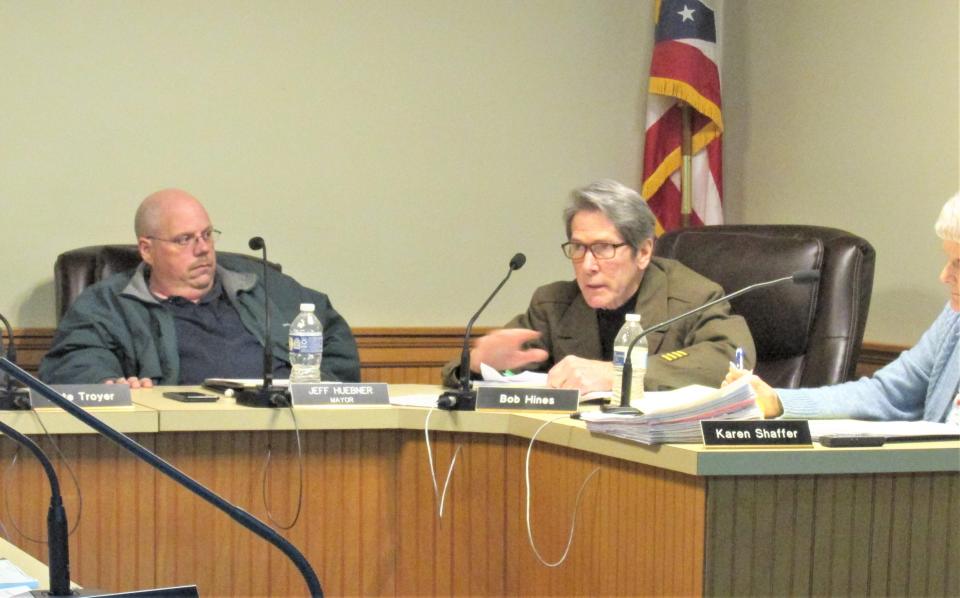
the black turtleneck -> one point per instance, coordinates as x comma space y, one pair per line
610, 321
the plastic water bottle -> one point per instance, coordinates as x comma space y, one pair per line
638, 360
306, 345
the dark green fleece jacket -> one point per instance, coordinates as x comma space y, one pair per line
116, 328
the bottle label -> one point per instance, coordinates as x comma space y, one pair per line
306, 343
639, 359
619, 356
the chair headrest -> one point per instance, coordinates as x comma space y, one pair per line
77, 269
780, 316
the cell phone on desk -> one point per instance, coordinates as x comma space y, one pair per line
191, 397
851, 440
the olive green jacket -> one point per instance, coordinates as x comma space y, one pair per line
696, 350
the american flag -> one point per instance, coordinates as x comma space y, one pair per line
684, 69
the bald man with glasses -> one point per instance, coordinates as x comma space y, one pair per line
570, 326
185, 313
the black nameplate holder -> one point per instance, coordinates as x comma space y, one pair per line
339, 393
527, 398
769, 433
88, 396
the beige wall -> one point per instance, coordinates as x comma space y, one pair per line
845, 114
396, 154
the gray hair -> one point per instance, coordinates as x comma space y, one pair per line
948, 224
621, 205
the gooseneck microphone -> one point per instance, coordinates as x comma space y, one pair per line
799, 277
266, 395
57, 547
463, 398
245, 519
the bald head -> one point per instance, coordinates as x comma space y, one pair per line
174, 235
157, 207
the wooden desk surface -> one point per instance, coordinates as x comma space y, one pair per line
154, 413
129, 420
691, 459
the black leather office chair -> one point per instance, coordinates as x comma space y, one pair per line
806, 335
77, 269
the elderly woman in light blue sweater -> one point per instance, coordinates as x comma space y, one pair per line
920, 384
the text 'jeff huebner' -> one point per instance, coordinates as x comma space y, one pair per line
757, 434
340, 389
528, 399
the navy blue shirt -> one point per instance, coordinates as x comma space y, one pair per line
213, 342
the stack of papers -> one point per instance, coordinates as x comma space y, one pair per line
675, 416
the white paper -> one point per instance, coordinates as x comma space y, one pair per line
11, 577
415, 400
526, 378
245, 382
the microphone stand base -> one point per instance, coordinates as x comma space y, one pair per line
14, 398
270, 396
458, 400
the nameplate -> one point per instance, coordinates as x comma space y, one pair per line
525, 398
756, 433
339, 393
87, 395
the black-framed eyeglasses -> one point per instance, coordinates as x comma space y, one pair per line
601, 251
191, 239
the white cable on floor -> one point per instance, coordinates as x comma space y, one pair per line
441, 498
529, 492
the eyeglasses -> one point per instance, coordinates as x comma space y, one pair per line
191, 239
601, 251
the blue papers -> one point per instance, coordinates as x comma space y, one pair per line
12, 576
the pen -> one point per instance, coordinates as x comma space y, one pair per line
738, 358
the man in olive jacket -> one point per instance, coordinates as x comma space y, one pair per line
569, 328
185, 313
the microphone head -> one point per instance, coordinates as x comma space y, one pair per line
517, 261
256, 243
806, 276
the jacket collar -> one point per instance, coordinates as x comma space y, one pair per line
233, 282
578, 332
653, 303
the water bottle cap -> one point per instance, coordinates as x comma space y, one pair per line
633, 317
307, 307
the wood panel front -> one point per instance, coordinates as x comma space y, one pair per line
369, 522
110, 505
853, 535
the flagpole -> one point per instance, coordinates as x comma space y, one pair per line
686, 177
